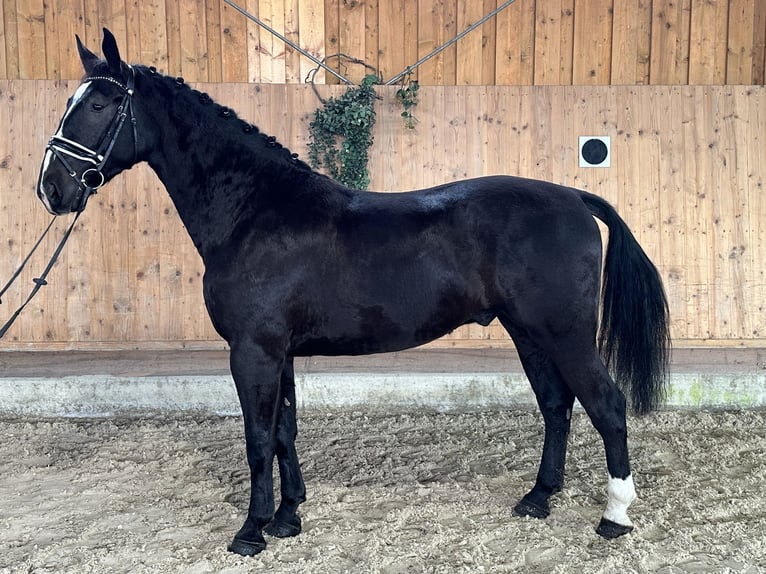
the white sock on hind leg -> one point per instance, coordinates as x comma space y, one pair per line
620, 493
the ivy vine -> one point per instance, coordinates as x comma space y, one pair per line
408, 97
349, 118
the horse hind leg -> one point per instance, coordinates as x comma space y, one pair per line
587, 377
286, 521
555, 401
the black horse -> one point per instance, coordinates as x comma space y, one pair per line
297, 264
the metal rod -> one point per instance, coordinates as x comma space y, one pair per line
408, 69
293, 45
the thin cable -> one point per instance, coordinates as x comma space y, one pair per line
290, 43
408, 69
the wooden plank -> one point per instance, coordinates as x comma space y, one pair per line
253, 44
435, 28
729, 210
563, 142
114, 285
14, 244
173, 247
173, 26
292, 33
703, 262
112, 15
548, 20
510, 132
449, 55
592, 42
456, 135
745, 213
153, 48
515, 59
708, 32
672, 202
93, 32
151, 200
332, 35
488, 45
755, 99
386, 153
739, 53
631, 33
647, 179
45, 321
759, 43
30, 27
234, 49
498, 115
527, 132
411, 15
669, 58
131, 50
391, 36
9, 49
5, 44
52, 54
567, 35
214, 35
193, 38
312, 37
351, 40
469, 63
272, 50
372, 30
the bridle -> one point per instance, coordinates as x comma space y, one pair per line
90, 180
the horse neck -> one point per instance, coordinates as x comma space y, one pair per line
219, 171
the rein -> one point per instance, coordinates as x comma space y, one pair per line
38, 281
88, 182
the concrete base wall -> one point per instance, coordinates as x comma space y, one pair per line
88, 385
102, 396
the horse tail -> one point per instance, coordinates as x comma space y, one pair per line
634, 337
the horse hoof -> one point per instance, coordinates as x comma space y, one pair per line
284, 528
247, 547
610, 530
526, 507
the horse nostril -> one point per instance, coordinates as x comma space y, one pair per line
49, 194
51, 190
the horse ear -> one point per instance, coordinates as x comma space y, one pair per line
88, 58
111, 53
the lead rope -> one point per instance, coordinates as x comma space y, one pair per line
38, 281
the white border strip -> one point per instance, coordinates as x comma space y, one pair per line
106, 395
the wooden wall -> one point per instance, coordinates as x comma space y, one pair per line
688, 170
533, 42
675, 83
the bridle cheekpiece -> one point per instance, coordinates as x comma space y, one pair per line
62, 148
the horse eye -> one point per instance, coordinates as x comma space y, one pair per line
97, 107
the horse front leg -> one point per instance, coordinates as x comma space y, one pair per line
286, 521
256, 376
555, 401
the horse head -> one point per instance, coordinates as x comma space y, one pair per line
96, 138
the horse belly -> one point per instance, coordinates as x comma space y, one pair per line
394, 322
